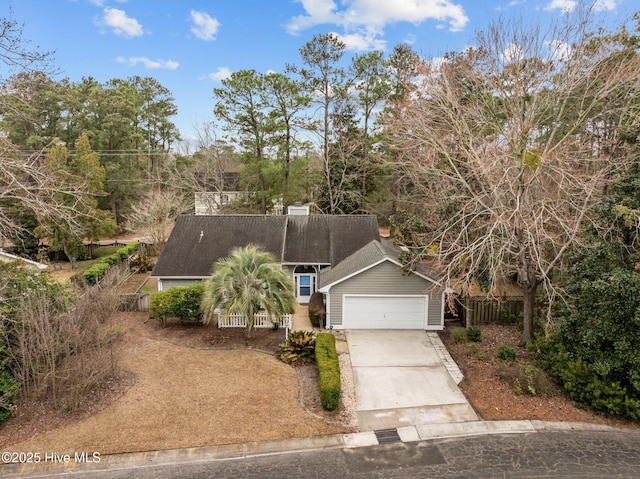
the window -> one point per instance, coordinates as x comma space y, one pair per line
305, 285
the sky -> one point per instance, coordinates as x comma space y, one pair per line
190, 45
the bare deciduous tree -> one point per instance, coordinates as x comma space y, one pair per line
26, 182
156, 213
508, 144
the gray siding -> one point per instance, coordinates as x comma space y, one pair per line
385, 279
434, 316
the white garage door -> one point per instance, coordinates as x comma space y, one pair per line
384, 312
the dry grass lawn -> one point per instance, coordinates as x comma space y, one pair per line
186, 397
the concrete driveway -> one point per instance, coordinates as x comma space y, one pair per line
400, 380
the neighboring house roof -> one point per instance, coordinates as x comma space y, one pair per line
8, 257
367, 257
198, 241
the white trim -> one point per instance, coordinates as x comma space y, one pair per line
327, 310
326, 288
313, 286
426, 298
12, 257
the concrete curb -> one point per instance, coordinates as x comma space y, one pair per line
114, 462
470, 428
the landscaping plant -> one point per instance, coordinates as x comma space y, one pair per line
299, 348
328, 371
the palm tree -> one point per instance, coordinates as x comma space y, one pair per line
244, 283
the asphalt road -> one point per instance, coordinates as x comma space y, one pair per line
574, 454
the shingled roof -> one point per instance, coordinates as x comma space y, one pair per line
198, 241
366, 257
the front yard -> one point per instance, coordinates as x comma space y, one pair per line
490, 384
193, 385
184, 394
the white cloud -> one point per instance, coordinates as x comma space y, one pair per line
560, 50
222, 73
204, 26
564, 5
121, 24
318, 12
149, 64
374, 15
604, 5
363, 41
513, 53
410, 39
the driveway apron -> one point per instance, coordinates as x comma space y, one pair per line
401, 381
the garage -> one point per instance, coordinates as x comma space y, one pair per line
385, 311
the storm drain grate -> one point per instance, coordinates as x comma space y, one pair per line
386, 436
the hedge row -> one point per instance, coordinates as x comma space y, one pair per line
328, 371
96, 272
177, 302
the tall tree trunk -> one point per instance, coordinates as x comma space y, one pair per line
529, 291
365, 160
287, 168
263, 199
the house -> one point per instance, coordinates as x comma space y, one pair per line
217, 195
371, 289
342, 256
302, 244
27, 263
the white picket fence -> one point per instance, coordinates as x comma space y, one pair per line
261, 320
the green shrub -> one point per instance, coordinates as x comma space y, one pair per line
506, 353
328, 371
527, 378
126, 251
96, 272
111, 260
584, 384
458, 336
8, 391
474, 334
177, 302
103, 251
299, 348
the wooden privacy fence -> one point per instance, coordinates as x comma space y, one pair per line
481, 310
114, 275
91, 247
143, 248
134, 302
261, 320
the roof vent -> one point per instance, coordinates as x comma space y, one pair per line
298, 209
